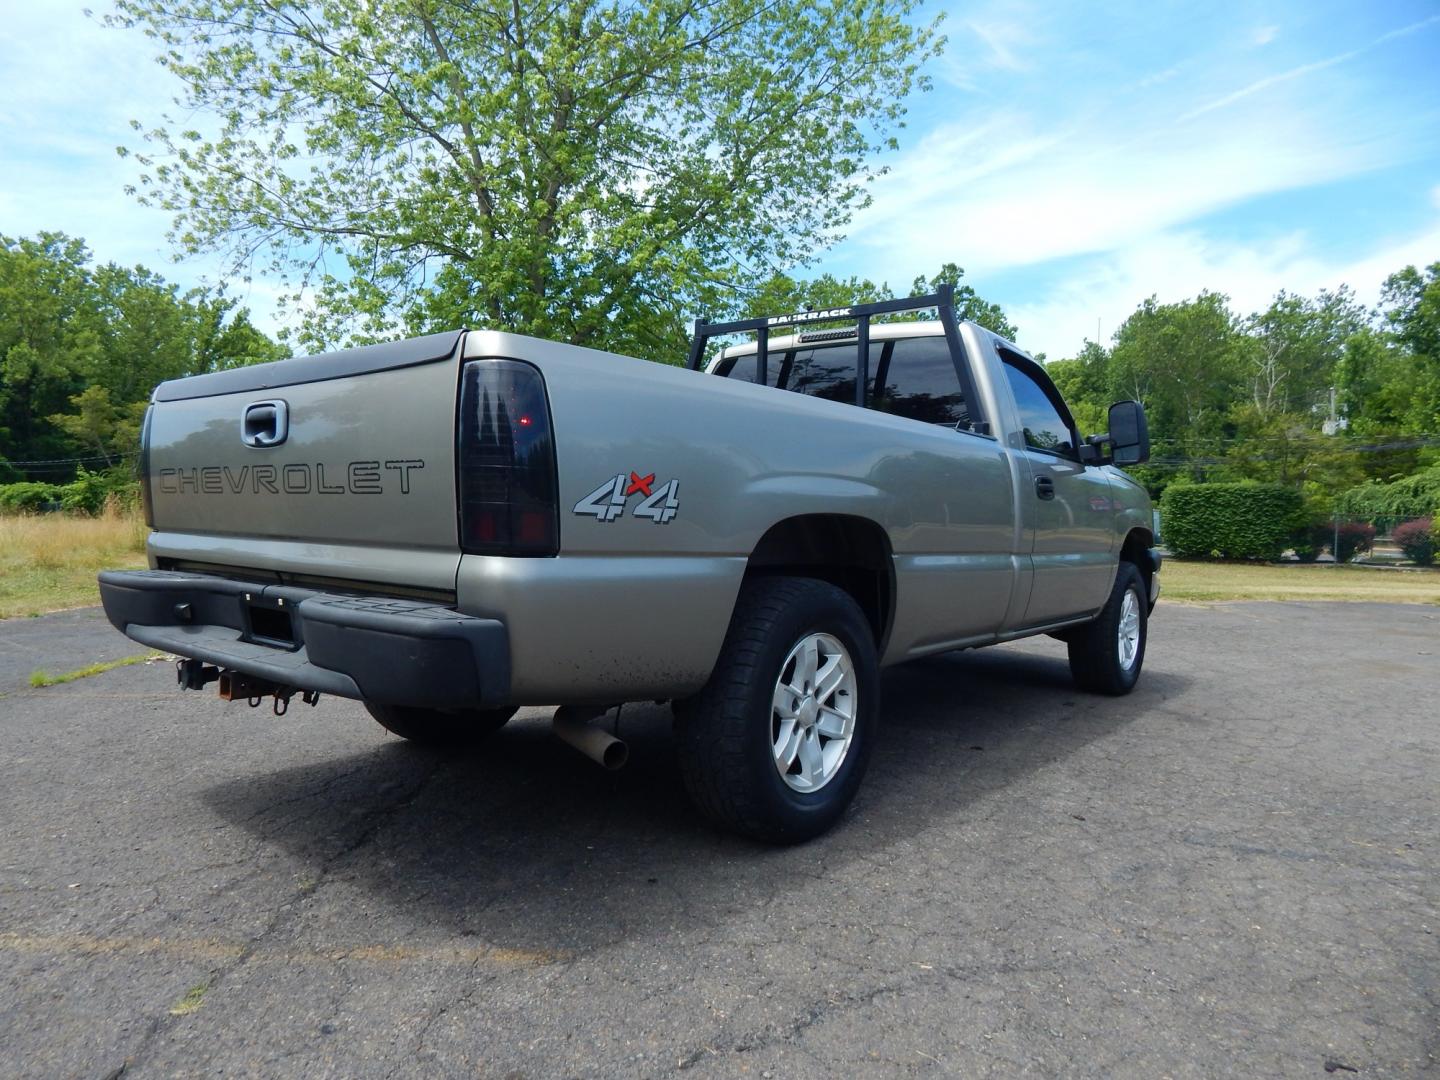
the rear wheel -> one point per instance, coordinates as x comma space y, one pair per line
775, 744
453, 729
1107, 654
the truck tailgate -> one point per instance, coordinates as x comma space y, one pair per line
337, 466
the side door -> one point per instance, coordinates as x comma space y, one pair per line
1066, 506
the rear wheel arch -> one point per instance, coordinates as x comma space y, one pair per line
850, 552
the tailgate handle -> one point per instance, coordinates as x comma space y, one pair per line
266, 423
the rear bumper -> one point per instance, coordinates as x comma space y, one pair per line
390, 651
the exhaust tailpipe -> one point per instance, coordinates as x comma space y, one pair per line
572, 724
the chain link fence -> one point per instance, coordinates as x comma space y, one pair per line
1379, 541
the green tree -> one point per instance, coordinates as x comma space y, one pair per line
968, 305
1084, 384
1185, 362
101, 426
48, 323
577, 169
1411, 299
1376, 385
782, 294
81, 347
1296, 345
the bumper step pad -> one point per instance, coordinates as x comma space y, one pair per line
375, 648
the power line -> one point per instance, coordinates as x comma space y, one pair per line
72, 460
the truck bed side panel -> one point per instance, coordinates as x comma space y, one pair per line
744, 458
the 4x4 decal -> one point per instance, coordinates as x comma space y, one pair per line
607, 502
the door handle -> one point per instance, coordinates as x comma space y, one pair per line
265, 423
1044, 487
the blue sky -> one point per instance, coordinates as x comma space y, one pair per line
1074, 158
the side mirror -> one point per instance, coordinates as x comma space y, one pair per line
1129, 433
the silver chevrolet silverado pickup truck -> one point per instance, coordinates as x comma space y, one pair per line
450, 527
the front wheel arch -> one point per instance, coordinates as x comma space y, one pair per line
1097, 648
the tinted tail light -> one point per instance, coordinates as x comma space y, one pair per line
506, 459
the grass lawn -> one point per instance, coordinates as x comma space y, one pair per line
1240, 581
49, 562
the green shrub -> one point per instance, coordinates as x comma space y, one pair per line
86, 494
1409, 497
29, 497
1231, 521
1308, 543
1418, 539
89, 491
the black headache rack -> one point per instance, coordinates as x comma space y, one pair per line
943, 301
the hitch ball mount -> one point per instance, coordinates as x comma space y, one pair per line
235, 686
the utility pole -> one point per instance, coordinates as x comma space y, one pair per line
1334, 424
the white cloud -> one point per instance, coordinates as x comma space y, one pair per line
70, 90
1006, 42
999, 195
992, 41
1158, 77
1307, 69
1263, 35
1117, 185
1177, 266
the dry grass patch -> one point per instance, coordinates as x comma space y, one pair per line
49, 561
1239, 581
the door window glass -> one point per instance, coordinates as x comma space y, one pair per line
1045, 428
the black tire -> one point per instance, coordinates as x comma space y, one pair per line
725, 733
1095, 661
440, 728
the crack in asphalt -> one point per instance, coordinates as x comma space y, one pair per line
285, 911
820, 1010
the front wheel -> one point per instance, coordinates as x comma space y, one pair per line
447, 729
775, 744
1107, 654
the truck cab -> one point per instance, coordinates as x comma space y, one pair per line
1072, 511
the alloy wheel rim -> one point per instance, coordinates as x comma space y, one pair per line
812, 713
1128, 643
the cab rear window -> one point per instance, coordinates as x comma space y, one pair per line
911, 377
918, 380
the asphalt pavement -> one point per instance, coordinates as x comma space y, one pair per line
1235, 871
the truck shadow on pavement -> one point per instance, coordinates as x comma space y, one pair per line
525, 844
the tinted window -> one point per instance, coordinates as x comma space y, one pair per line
826, 372
743, 368
920, 382
1045, 429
